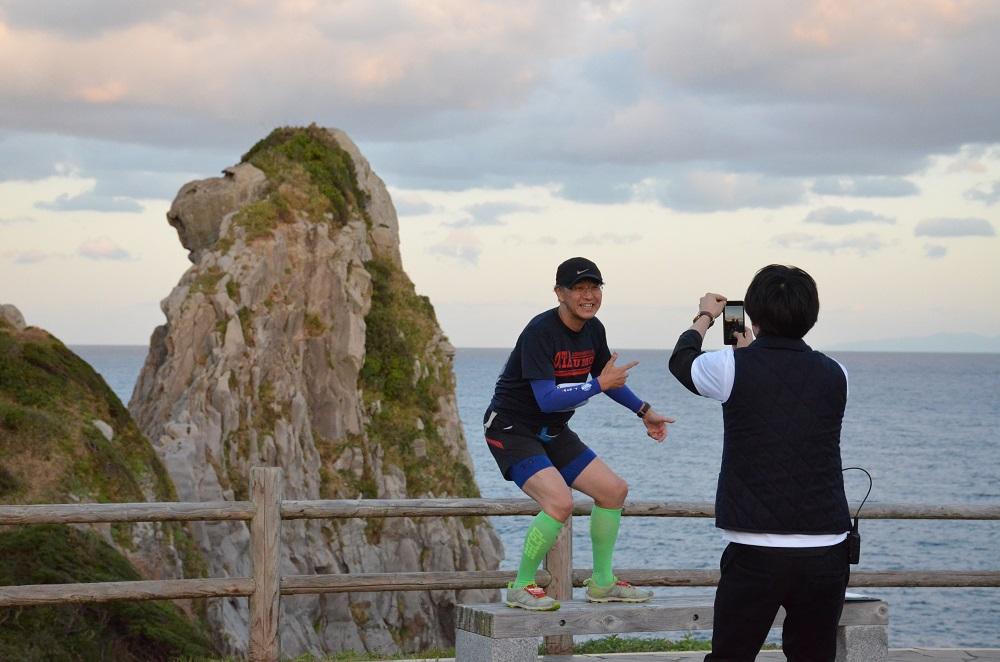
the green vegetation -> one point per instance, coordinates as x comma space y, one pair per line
205, 282
9, 483
403, 390
49, 398
224, 244
120, 631
51, 452
303, 162
348, 656
314, 325
233, 290
616, 644
609, 644
307, 172
259, 219
247, 325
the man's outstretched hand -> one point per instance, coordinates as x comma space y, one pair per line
656, 424
614, 376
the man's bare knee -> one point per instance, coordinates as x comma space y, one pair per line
614, 495
559, 508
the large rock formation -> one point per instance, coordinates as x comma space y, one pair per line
65, 437
297, 341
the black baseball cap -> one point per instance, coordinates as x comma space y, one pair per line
576, 269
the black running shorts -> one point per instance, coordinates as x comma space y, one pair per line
521, 451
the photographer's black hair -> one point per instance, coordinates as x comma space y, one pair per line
782, 301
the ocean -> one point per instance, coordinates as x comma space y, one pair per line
924, 425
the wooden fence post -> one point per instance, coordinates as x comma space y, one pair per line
265, 560
559, 563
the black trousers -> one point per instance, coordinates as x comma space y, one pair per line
808, 582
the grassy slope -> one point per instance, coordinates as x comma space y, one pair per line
51, 452
50, 448
117, 631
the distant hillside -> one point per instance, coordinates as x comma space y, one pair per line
939, 342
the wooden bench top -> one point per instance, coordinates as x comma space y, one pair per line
499, 621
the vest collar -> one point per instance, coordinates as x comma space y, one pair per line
777, 342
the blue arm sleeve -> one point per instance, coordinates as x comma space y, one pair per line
552, 398
625, 397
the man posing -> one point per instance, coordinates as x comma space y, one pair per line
780, 500
544, 381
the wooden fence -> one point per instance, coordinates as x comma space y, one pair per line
267, 509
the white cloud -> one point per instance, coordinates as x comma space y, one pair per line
89, 201
954, 227
459, 245
491, 213
702, 107
986, 193
934, 250
706, 191
967, 165
544, 240
841, 216
30, 256
85, 18
396, 63
605, 238
102, 248
17, 219
860, 244
847, 50
865, 187
490, 92
408, 204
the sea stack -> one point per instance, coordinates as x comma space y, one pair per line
296, 340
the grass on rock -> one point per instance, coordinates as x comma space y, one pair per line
120, 631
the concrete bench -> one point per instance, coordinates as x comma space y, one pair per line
497, 633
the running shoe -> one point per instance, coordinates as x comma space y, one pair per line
530, 597
618, 592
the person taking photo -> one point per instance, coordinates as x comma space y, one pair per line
780, 499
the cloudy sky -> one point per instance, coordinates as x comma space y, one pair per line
681, 145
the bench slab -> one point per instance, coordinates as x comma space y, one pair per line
498, 621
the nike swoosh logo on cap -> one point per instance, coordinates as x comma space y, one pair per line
582, 272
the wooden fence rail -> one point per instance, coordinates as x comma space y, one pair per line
95, 513
266, 510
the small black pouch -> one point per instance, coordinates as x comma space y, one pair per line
854, 545
854, 536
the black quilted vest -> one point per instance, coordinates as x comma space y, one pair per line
781, 468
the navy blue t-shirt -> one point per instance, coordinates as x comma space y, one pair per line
548, 349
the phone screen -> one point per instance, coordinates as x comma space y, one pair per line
732, 321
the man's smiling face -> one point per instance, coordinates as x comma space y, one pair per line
581, 301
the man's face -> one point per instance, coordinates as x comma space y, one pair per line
581, 301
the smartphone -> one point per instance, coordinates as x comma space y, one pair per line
733, 321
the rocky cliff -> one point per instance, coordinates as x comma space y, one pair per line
296, 340
65, 437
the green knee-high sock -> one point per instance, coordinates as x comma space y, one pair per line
538, 541
603, 534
